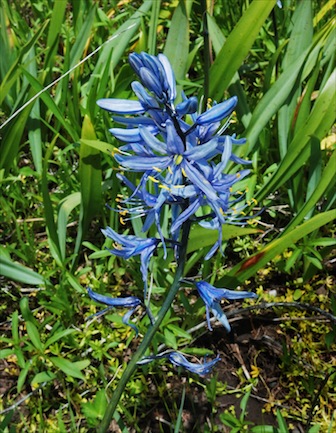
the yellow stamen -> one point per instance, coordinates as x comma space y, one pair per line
184, 173
164, 187
122, 221
238, 175
153, 179
170, 170
157, 169
178, 159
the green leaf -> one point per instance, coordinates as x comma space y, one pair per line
327, 179
72, 369
99, 145
51, 105
317, 125
177, 44
34, 336
282, 423
4, 353
44, 376
17, 272
91, 180
22, 376
237, 46
82, 38
264, 429
65, 208
14, 71
201, 237
178, 331
48, 210
248, 267
57, 336
96, 409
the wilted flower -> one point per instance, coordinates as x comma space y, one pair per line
212, 297
180, 360
126, 302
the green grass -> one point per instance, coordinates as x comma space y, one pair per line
57, 173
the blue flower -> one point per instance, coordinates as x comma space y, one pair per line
212, 297
127, 302
130, 246
179, 360
156, 74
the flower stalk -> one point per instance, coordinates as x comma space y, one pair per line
132, 366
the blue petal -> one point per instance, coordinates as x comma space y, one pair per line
188, 106
220, 316
196, 177
129, 301
202, 151
131, 134
175, 145
126, 318
211, 297
169, 76
212, 294
151, 141
140, 163
179, 360
147, 101
217, 112
134, 121
150, 81
186, 214
121, 106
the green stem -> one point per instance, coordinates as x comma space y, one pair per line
132, 366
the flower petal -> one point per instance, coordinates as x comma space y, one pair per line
121, 106
170, 77
217, 112
139, 163
129, 301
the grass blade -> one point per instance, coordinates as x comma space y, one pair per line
249, 267
237, 46
317, 125
177, 44
17, 272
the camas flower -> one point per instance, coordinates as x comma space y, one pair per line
129, 246
179, 360
131, 302
178, 159
212, 297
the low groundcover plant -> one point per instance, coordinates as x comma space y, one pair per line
181, 155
